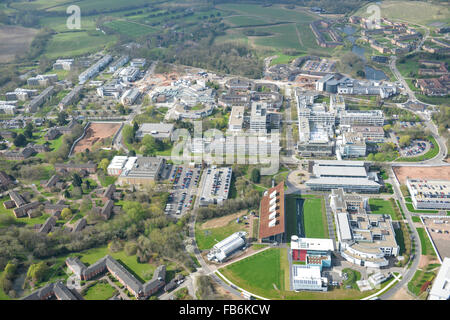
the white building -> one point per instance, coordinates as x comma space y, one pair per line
63, 64
117, 165
93, 70
138, 63
353, 145
441, 285
236, 121
429, 194
130, 96
118, 63
226, 247
156, 130
308, 278
362, 118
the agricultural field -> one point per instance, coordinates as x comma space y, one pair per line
417, 12
14, 40
130, 29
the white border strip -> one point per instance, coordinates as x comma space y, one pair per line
431, 240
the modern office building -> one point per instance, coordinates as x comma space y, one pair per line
364, 239
141, 170
352, 145
312, 251
429, 194
308, 278
352, 176
272, 215
362, 118
156, 130
236, 121
130, 96
441, 286
373, 134
258, 118
225, 248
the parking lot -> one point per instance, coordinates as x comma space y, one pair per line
318, 66
417, 148
185, 181
215, 185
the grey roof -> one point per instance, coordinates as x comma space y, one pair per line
121, 272
62, 292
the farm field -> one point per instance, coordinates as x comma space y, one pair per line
131, 29
14, 40
416, 12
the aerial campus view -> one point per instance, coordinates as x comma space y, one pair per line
224, 150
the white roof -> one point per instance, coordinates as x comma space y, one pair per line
441, 286
340, 171
339, 163
301, 272
118, 162
342, 182
313, 244
344, 226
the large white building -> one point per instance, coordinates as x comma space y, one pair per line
353, 145
308, 278
429, 194
352, 176
362, 118
236, 121
441, 286
363, 239
227, 247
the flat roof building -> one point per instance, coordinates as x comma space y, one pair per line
429, 194
441, 286
308, 278
141, 170
236, 122
156, 130
227, 247
217, 185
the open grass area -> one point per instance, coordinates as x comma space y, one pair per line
131, 29
207, 238
266, 274
427, 247
352, 277
416, 219
411, 209
380, 206
418, 280
99, 291
314, 216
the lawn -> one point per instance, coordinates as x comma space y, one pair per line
380, 206
416, 219
99, 291
418, 280
352, 277
314, 217
207, 238
411, 209
266, 274
427, 247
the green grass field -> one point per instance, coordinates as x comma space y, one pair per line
427, 247
99, 291
380, 206
314, 217
411, 209
207, 238
130, 29
416, 219
419, 278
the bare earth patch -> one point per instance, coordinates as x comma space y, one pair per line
96, 132
222, 221
402, 294
426, 260
14, 40
440, 172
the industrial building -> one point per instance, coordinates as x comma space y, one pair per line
141, 170
429, 194
272, 215
352, 176
441, 286
364, 239
156, 130
225, 248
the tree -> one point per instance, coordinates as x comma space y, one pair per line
104, 163
255, 175
387, 128
405, 140
130, 248
66, 194
36, 272
128, 134
76, 180
62, 116
66, 213
28, 132
20, 141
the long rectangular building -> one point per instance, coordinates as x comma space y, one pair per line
272, 215
429, 194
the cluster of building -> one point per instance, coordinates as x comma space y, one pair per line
185, 99
136, 170
429, 194
318, 122
319, 27
336, 83
436, 46
117, 270
93, 70
351, 176
363, 239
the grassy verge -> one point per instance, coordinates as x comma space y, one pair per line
427, 247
